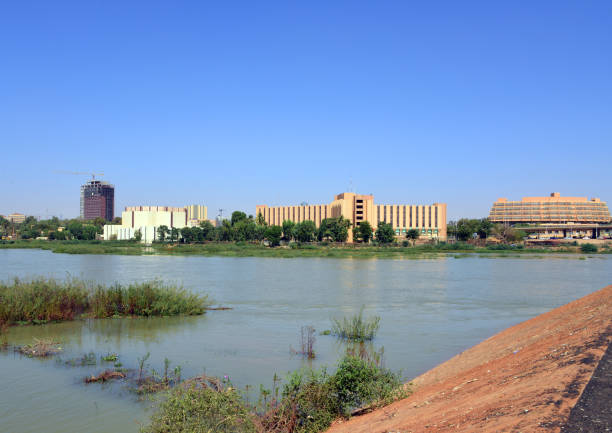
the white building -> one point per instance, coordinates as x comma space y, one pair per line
148, 219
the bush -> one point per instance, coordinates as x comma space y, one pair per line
202, 410
588, 248
358, 383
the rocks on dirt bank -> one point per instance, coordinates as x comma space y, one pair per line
527, 378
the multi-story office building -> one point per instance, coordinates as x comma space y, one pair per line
430, 220
16, 218
148, 219
550, 210
97, 200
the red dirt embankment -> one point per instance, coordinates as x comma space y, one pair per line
524, 379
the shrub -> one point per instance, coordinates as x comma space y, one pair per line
588, 248
358, 383
196, 409
356, 327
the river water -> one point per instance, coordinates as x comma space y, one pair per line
431, 309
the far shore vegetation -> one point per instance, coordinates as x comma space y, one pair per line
245, 236
43, 300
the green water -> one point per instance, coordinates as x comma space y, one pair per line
431, 309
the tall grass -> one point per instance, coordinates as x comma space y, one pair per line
42, 300
356, 327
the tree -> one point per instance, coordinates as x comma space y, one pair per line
174, 234
305, 231
466, 228
138, 235
224, 232
412, 234
116, 221
238, 216
273, 234
89, 232
75, 228
243, 230
162, 231
260, 233
260, 221
484, 228
507, 233
363, 232
187, 235
288, 227
385, 233
208, 230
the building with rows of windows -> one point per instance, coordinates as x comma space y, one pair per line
429, 220
550, 210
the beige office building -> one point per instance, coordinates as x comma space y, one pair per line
550, 210
430, 220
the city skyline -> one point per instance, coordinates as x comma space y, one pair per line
229, 107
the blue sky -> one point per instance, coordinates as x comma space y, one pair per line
233, 104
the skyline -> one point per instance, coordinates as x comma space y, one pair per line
277, 104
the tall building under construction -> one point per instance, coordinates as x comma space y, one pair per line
97, 200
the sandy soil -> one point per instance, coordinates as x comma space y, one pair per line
524, 379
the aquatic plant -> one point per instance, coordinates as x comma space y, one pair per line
43, 300
40, 348
307, 340
356, 327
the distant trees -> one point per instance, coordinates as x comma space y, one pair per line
385, 233
413, 235
288, 230
162, 232
334, 229
273, 234
363, 232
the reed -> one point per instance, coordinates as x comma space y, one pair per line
356, 327
43, 300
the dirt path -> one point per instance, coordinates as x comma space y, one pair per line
524, 379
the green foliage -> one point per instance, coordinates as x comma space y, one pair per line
363, 232
358, 383
288, 230
334, 229
588, 248
412, 234
273, 234
202, 409
138, 235
237, 216
356, 327
312, 399
385, 233
162, 232
44, 300
305, 231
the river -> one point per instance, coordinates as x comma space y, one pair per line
430, 309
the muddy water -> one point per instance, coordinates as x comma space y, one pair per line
431, 309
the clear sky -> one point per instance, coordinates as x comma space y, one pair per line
233, 104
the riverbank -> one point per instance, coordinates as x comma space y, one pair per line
231, 249
526, 378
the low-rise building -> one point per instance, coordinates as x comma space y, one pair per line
429, 220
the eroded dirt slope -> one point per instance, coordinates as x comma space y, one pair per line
524, 379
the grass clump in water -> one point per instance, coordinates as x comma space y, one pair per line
356, 327
40, 348
43, 300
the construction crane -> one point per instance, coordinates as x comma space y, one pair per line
80, 173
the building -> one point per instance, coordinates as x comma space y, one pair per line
148, 219
429, 220
16, 218
550, 210
97, 200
